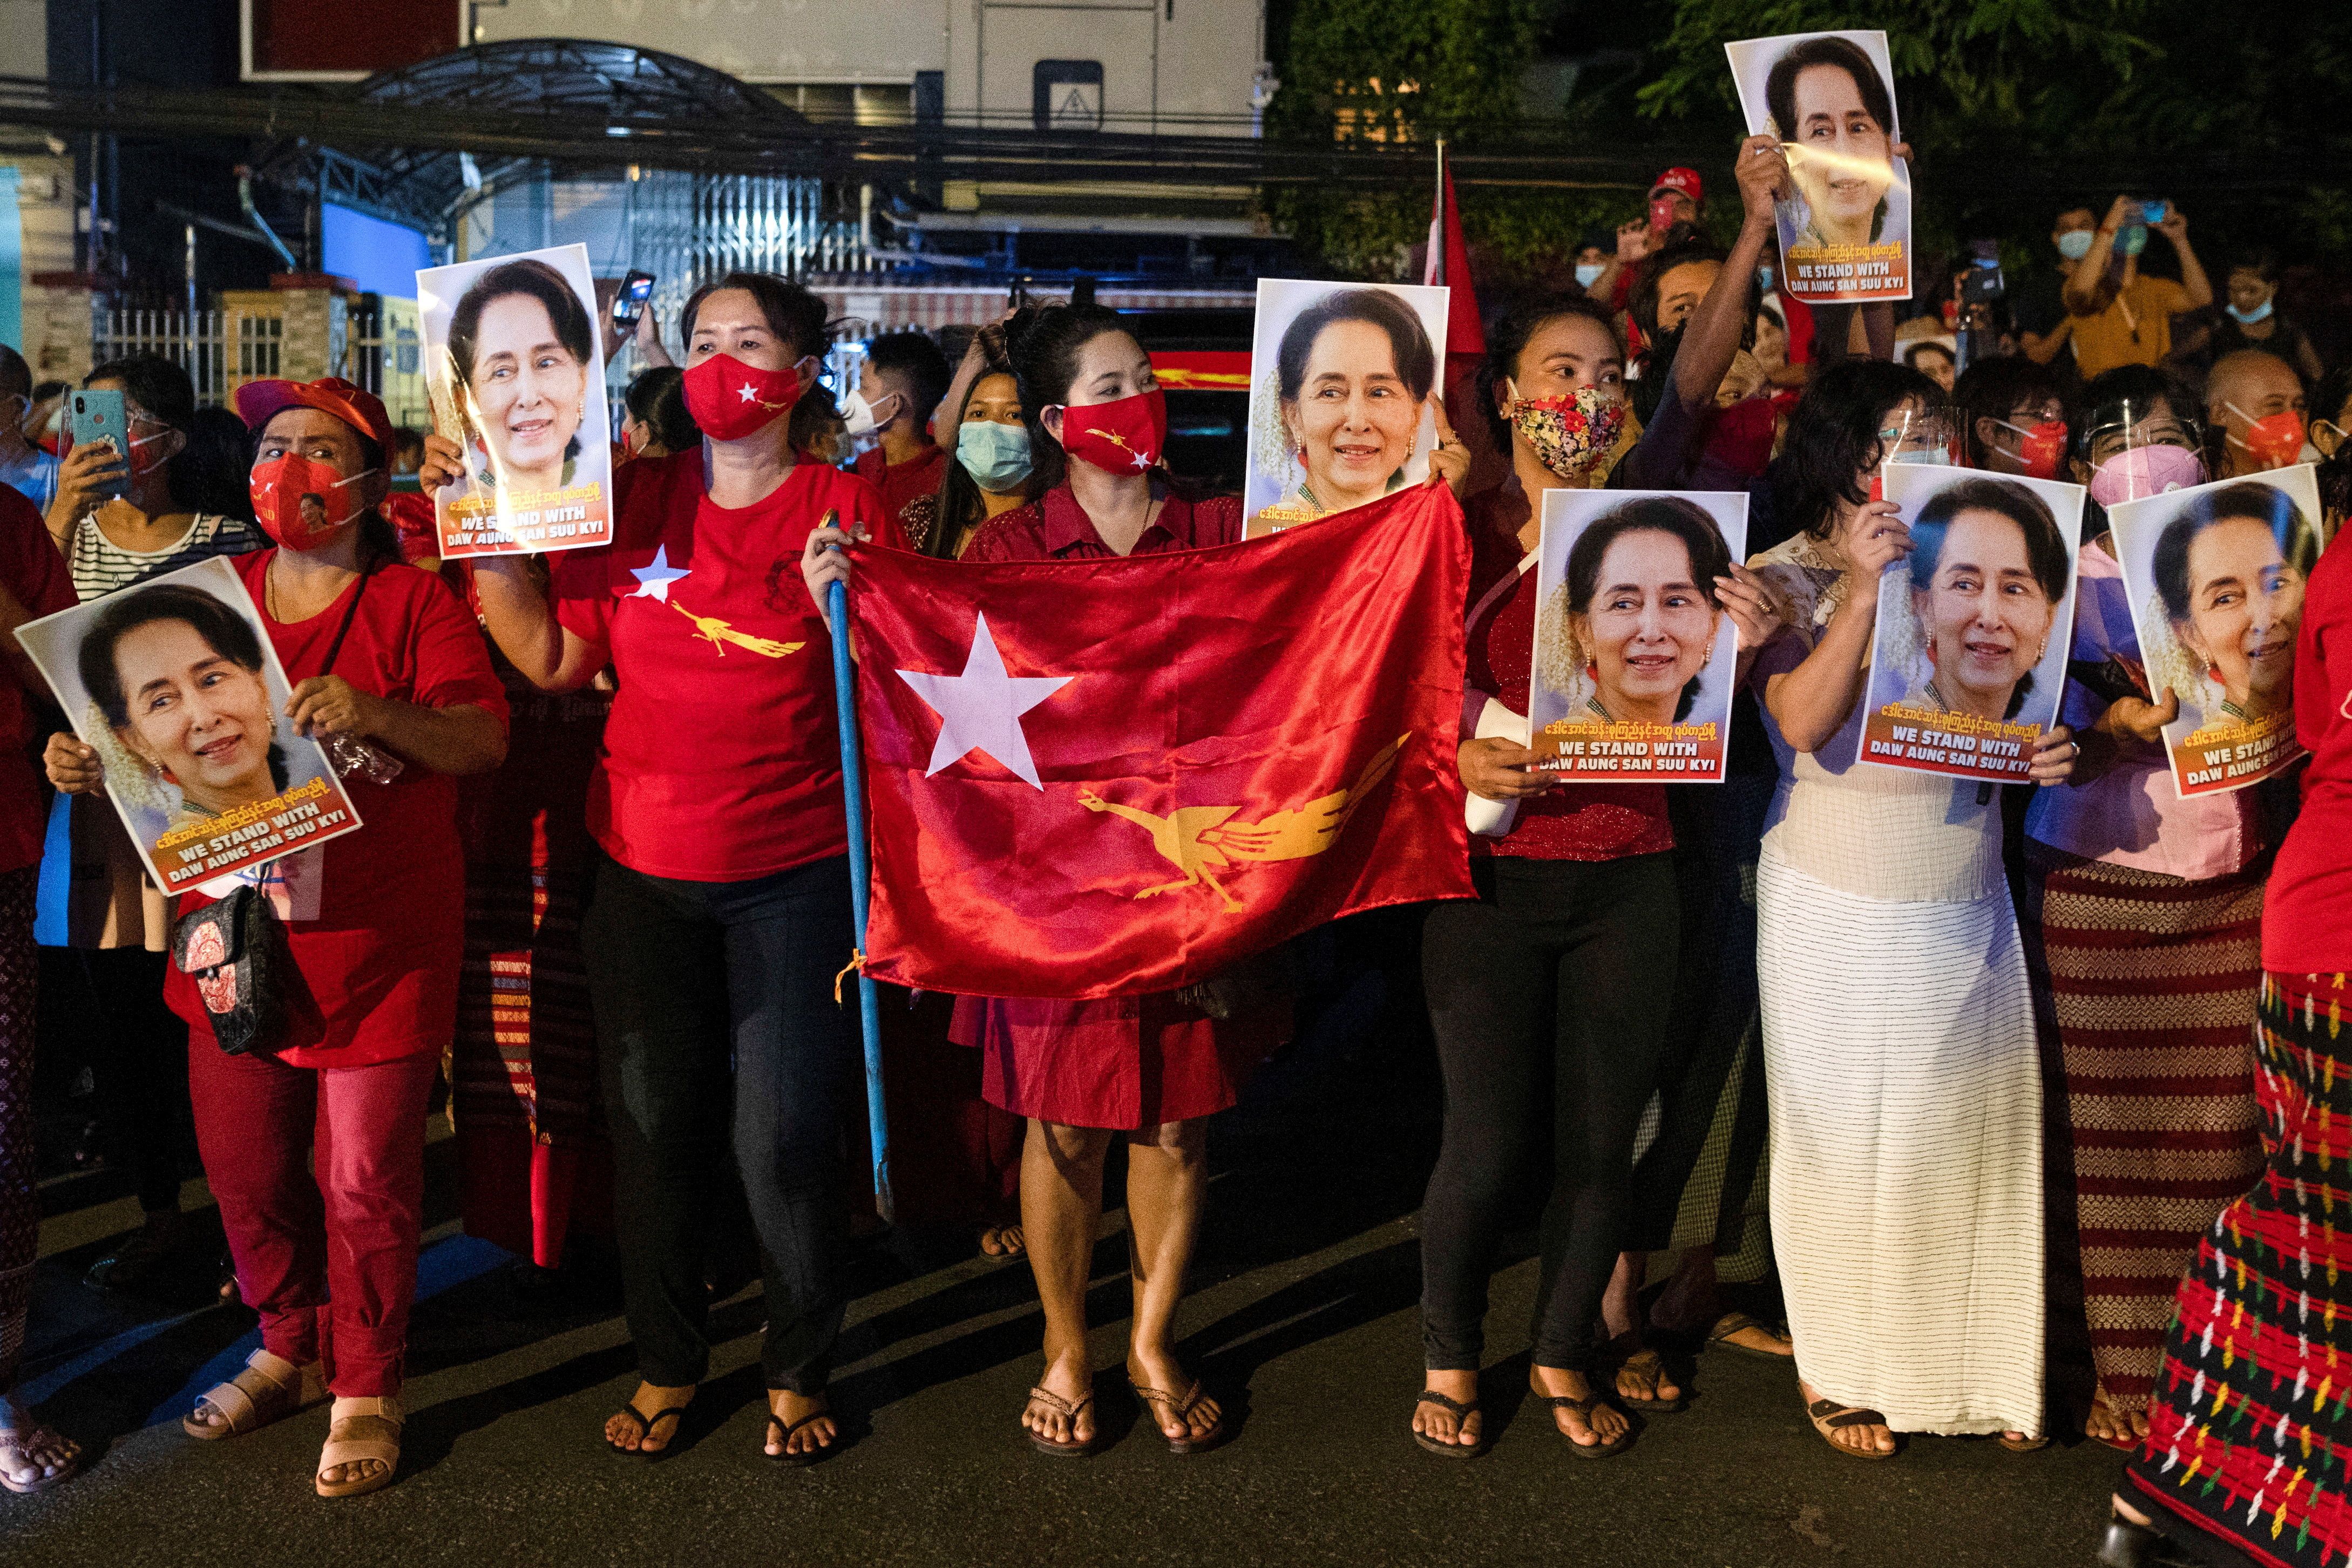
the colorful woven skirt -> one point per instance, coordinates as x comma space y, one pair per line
2251, 1424
2153, 979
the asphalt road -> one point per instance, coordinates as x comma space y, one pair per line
1302, 1317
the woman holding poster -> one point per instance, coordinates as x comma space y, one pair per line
1898, 1027
1634, 622
1577, 888
2264, 1291
387, 668
2143, 921
718, 907
1846, 231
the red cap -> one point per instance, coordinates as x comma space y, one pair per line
1683, 179
257, 402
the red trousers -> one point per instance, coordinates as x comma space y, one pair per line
330, 1262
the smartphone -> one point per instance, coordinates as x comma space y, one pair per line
99, 416
2155, 212
629, 304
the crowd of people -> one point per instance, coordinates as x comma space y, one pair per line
1972, 1042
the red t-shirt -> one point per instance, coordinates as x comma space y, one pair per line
35, 574
1568, 821
722, 759
410, 513
380, 960
903, 484
2307, 908
1055, 527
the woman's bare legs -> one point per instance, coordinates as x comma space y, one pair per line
1061, 1209
1167, 1182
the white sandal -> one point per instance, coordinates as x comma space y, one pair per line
360, 1429
270, 1388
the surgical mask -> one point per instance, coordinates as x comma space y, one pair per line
1764, 280
1588, 273
2040, 448
279, 486
995, 455
2075, 244
730, 400
2275, 440
1572, 435
2247, 318
2144, 471
867, 419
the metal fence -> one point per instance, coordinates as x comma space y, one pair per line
220, 349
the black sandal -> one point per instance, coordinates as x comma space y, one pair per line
1060, 1406
1720, 1337
1462, 1413
806, 1457
1183, 1409
1583, 1408
645, 1427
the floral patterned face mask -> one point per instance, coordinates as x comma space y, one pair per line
1570, 434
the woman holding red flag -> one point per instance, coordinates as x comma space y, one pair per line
386, 660
1149, 1070
720, 909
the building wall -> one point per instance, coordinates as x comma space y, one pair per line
757, 40
25, 37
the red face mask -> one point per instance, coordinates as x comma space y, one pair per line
730, 400
1740, 437
1122, 437
300, 503
2277, 440
2039, 447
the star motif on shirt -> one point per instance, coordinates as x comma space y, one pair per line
980, 710
654, 581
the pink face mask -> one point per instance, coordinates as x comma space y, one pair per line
2144, 471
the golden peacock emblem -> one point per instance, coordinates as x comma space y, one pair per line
1200, 841
719, 634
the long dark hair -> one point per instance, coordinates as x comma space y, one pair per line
960, 503
200, 476
656, 399
1044, 363
1508, 339
1833, 437
223, 631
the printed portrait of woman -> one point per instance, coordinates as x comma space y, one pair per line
1831, 108
1353, 376
521, 343
1987, 570
1636, 618
179, 679
2229, 574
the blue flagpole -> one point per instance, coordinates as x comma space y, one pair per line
853, 789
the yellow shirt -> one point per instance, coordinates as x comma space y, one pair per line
2136, 329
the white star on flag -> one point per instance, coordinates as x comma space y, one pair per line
654, 581
749, 394
980, 709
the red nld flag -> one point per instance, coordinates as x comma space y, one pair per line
1113, 777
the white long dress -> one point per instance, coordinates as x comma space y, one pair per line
1902, 1077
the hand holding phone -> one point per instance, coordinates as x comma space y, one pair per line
629, 303
99, 416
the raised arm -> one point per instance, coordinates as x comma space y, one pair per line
515, 609
1711, 338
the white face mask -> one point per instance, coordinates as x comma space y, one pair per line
866, 419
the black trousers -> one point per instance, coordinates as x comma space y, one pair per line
715, 1010
1557, 977
139, 1062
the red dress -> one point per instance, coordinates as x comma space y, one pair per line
1119, 1063
904, 483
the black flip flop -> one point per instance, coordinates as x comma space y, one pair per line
646, 1429
1584, 1408
806, 1457
1462, 1413
1649, 1364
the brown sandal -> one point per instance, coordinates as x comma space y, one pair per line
1650, 1367
1720, 1337
270, 1388
1582, 1410
1059, 1406
1829, 1416
1181, 1409
24, 1440
361, 1430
